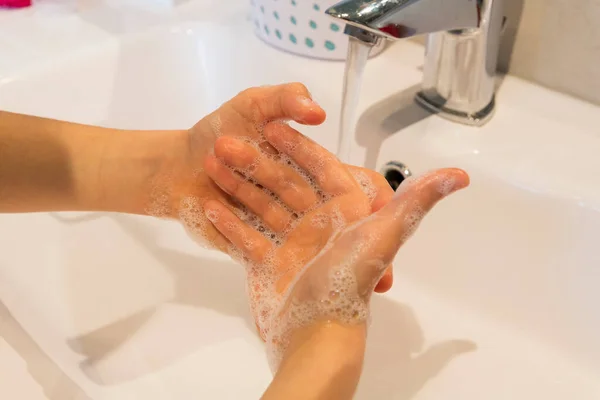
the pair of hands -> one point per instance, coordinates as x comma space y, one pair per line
201, 178
317, 236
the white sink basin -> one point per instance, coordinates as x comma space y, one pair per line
494, 297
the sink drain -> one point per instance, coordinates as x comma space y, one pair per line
395, 173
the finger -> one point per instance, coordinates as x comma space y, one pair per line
260, 203
374, 185
290, 101
244, 238
386, 281
390, 227
194, 221
415, 198
329, 173
425, 191
279, 178
316, 228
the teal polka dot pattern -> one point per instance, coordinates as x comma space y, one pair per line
300, 27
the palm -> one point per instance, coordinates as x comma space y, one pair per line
337, 284
297, 196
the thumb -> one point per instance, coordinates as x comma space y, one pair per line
389, 228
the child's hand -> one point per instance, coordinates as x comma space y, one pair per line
336, 286
182, 187
297, 195
297, 237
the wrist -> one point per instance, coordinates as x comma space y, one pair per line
137, 169
342, 342
323, 360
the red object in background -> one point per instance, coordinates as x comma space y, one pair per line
15, 3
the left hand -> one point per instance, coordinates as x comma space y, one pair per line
183, 187
288, 229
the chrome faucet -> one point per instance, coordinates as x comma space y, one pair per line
461, 52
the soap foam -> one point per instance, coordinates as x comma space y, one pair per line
365, 183
191, 215
340, 302
216, 124
446, 185
159, 204
412, 221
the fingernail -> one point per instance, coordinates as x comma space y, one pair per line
233, 145
307, 102
212, 215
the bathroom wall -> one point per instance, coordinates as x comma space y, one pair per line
556, 43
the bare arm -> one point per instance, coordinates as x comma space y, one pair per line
48, 165
323, 361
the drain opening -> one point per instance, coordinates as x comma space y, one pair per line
395, 173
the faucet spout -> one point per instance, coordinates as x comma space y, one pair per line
397, 19
462, 47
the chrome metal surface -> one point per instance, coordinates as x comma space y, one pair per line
395, 173
462, 48
363, 35
397, 167
396, 19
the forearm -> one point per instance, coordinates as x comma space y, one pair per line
48, 165
323, 362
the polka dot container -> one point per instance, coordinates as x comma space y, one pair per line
301, 27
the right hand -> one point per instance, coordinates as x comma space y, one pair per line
338, 283
287, 229
318, 216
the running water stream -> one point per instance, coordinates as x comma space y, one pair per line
358, 54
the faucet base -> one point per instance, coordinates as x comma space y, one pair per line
437, 106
